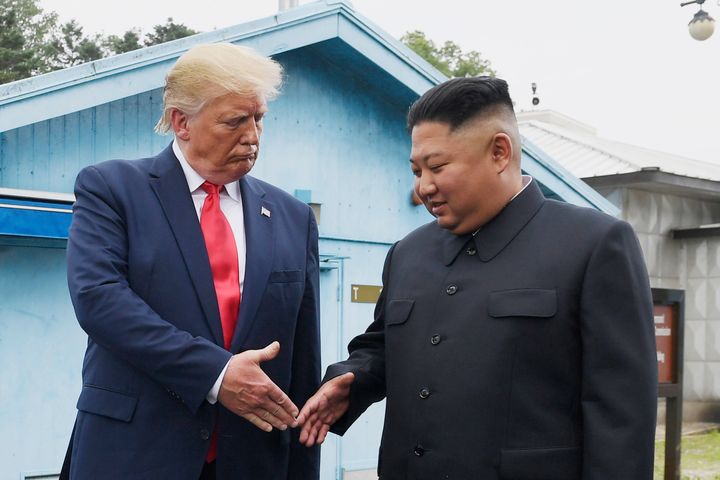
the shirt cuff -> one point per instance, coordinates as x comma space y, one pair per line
213, 393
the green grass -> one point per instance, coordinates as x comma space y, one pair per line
699, 458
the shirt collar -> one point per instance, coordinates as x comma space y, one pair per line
526, 179
194, 180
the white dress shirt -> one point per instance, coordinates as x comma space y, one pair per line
231, 206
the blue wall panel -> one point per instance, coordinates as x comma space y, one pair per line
332, 134
362, 264
47, 155
41, 347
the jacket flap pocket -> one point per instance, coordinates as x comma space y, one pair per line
107, 403
524, 302
398, 311
286, 276
541, 463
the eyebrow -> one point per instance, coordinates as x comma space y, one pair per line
243, 113
426, 157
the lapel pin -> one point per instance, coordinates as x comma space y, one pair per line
265, 212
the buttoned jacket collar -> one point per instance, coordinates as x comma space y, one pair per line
495, 235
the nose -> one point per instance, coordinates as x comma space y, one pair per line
251, 133
425, 186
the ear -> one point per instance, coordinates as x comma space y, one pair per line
180, 124
502, 151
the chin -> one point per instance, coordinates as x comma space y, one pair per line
447, 225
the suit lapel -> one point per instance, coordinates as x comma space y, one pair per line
168, 181
260, 245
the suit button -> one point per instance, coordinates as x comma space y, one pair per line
419, 451
471, 250
204, 434
451, 289
435, 339
424, 392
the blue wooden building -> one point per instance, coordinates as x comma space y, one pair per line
335, 138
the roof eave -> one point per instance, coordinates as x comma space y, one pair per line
661, 182
566, 185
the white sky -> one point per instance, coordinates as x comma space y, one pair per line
628, 68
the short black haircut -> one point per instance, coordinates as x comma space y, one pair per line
458, 100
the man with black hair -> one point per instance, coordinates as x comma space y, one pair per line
513, 338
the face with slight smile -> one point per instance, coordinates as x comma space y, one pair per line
459, 174
221, 142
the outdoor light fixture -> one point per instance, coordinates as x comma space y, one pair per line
702, 25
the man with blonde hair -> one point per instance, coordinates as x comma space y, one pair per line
187, 274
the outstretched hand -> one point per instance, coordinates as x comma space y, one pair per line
323, 409
247, 391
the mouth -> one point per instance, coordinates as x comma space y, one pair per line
250, 157
436, 208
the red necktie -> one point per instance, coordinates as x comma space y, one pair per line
222, 252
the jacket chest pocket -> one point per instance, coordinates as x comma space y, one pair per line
523, 302
397, 312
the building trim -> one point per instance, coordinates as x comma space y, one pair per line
658, 181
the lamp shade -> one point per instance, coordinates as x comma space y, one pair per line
702, 26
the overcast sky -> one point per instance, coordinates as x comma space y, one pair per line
630, 69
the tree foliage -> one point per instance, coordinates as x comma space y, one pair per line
34, 42
24, 30
69, 46
127, 43
448, 58
167, 32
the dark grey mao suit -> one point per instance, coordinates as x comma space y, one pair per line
525, 352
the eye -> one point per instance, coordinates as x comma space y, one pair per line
235, 122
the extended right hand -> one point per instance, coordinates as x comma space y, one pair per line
247, 391
324, 408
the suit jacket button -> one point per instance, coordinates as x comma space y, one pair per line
204, 434
424, 392
435, 339
419, 451
451, 289
471, 250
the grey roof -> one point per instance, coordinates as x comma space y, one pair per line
577, 147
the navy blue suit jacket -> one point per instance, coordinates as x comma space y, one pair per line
142, 289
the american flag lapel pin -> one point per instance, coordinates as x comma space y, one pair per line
265, 212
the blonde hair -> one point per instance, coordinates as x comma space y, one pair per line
208, 71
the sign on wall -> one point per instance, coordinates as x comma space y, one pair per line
665, 331
365, 293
